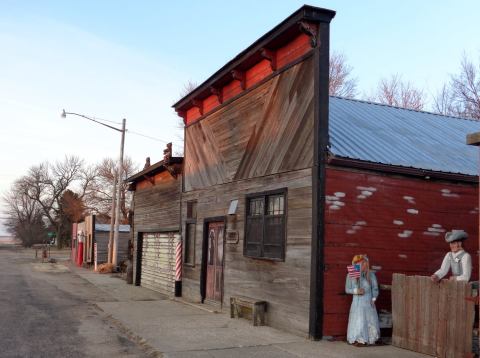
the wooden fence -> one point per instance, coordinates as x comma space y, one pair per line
432, 318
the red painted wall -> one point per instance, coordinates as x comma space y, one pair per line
398, 222
285, 55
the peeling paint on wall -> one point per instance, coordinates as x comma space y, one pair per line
334, 202
405, 233
365, 192
448, 193
356, 227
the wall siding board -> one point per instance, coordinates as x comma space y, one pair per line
259, 134
157, 209
370, 216
284, 285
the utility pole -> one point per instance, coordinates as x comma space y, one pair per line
119, 192
112, 217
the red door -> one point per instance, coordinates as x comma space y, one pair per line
215, 262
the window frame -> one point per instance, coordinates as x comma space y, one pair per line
265, 195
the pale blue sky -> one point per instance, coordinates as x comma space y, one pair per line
115, 59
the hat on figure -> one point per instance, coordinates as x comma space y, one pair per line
456, 235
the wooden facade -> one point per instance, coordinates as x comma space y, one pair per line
94, 233
156, 224
260, 141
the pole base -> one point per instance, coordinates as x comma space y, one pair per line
178, 288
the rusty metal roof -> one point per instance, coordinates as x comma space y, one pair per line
395, 136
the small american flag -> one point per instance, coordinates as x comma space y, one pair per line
353, 271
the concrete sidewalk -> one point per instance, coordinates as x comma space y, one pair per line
170, 328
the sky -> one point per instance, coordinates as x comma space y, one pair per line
115, 59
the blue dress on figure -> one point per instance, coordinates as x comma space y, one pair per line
363, 326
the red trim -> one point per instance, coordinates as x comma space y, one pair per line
243, 80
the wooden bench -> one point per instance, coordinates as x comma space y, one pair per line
257, 307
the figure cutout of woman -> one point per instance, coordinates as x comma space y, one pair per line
363, 326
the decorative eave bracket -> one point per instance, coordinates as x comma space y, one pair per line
309, 30
217, 92
150, 179
240, 76
271, 56
199, 104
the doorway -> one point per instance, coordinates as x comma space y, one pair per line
213, 261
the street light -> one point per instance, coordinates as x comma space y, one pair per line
114, 255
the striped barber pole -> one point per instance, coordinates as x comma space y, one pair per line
353, 271
178, 267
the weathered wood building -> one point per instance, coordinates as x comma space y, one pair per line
282, 185
90, 232
156, 224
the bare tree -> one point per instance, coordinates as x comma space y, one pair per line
23, 216
187, 89
395, 92
443, 102
463, 91
46, 183
341, 83
98, 196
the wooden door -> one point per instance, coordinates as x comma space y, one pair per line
214, 281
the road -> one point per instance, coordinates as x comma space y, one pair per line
45, 311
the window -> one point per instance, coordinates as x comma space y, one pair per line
265, 226
190, 229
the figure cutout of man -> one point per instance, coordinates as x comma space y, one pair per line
458, 261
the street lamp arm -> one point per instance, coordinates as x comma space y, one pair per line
64, 115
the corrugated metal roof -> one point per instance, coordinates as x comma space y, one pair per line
396, 136
106, 227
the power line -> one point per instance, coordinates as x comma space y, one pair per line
147, 136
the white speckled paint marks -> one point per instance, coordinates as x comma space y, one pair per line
334, 202
412, 211
356, 227
474, 211
398, 222
434, 230
402, 256
405, 234
409, 199
447, 193
365, 192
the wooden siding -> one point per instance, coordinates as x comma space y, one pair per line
102, 237
157, 206
266, 131
399, 222
432, 318
158, 262
284, 285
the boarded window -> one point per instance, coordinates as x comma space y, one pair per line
191, 210
190, 228
265, 226
190, 244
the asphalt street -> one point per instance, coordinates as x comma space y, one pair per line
45, 311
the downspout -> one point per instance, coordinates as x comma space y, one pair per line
321, 101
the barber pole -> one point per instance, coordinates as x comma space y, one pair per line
178, 267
